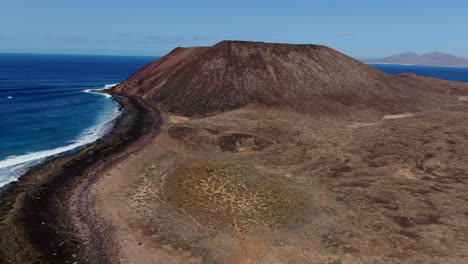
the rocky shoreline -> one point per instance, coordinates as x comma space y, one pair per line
46, 217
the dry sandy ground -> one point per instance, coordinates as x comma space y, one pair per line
113, 203
262, 185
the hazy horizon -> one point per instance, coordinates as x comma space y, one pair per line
162, 55
361, 29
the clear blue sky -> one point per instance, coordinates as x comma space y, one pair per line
360, 28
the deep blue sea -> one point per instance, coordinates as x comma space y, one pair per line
447, 73
46, 107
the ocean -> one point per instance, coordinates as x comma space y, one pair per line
447, 73
47, 107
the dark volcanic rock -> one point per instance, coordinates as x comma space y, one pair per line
232, 74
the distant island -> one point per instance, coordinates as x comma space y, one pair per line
428, 59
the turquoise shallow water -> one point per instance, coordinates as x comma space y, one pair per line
46, 107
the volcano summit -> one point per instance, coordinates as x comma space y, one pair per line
233, 74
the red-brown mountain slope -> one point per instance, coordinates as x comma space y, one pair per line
232, 74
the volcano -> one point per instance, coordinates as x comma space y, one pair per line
310, 78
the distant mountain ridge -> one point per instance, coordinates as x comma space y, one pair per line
429, 59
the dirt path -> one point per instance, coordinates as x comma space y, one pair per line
91, 227
112, 194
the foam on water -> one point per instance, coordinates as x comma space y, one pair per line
107, 86
13, 167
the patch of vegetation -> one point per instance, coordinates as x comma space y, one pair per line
238, 142
235, 195
272, 127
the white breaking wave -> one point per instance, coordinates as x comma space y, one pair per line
13, 167
107, 86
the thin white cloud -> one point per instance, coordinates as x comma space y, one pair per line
172, 37
279, 34
64, 39
344, 34
155, 38
211, 37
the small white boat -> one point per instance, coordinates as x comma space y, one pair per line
10, 97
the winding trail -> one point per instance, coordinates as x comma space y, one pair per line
81, 202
